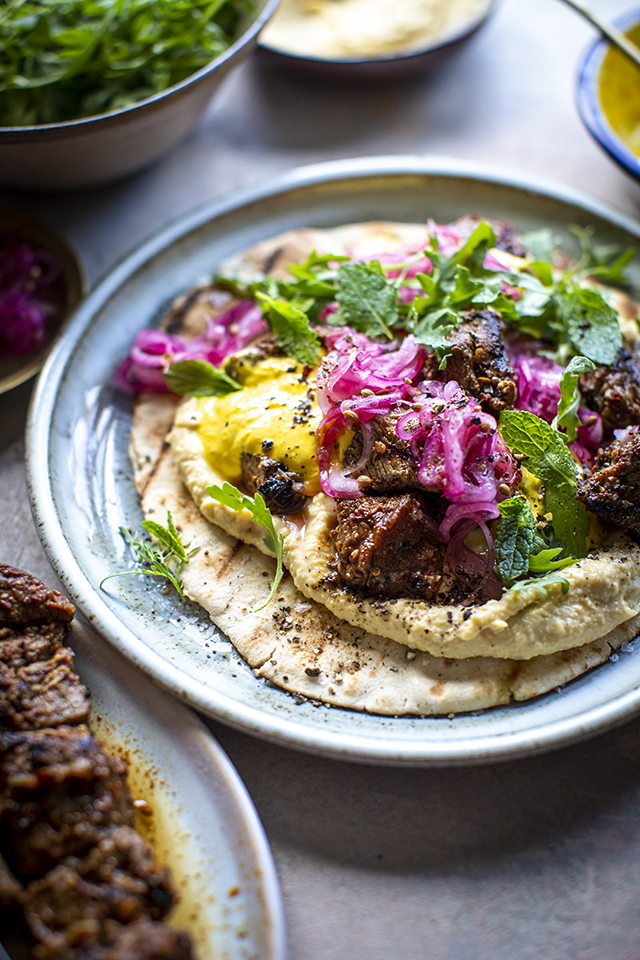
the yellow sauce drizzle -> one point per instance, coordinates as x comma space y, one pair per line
276, 404
619, 83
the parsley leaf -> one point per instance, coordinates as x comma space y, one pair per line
592, 325
164, 560
231, 497
197, 378
567, 417
367, 299
290, 324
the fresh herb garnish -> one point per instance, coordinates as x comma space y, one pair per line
591, 324
231, 497
290, 324
519, 548
549, 459
197, 378
65, 59
367, 299
162, 559
567, 418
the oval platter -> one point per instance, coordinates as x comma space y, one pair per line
81, 487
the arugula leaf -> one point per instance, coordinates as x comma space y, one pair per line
165, 560
367, 299
544, 582
592, 325
607, 262
473, 252
541, 244
567, 415
516, 537
548, 457
290, 324
197, 378
65, 59
547, 559
231, 497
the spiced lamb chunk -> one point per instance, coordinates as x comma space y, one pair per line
144, 940
390, 467
80, 901
24, 645
613, 489
11, 892
25, 599
46, 693
283, 491
387, 546
478, 361
63, 792
614, 391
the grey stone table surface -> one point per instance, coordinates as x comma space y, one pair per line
523, 860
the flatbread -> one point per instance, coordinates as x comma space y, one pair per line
516, 648
300, 645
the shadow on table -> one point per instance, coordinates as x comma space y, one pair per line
13, 413
417, 820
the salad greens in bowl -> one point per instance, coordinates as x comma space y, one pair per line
91, 90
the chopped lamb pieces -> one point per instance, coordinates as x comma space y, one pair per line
141, 940
390, 467
77, 903
283, 492
613, 489
614, 391
24, 599
64, 791
387, 546
30, 644
46, 693
11, 892
478, 361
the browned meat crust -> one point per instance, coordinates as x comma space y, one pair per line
478, 361
63, 792
283, 491
390, 467
614, 392
146, 940
388, 545
24, 599
613, 489
78, 902
30, 644
44, 693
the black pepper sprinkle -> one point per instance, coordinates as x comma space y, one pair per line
312, 671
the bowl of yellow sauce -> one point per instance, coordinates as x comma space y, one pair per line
608, 96
368, 39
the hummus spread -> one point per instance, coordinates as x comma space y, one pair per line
349, 29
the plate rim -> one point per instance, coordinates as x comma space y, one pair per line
245, 717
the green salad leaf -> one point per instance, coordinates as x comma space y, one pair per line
197, 378
289, 322
367, 300
591, 324
65, 59
567, 416
231, 497
519, 548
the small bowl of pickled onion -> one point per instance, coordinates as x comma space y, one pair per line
41, 282
608, 96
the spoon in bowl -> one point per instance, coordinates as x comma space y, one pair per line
614, 36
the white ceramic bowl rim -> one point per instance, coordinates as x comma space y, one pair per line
72, 127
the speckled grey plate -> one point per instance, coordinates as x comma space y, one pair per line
81, 488
204, 825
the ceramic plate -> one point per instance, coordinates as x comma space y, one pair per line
81, 488
204, 826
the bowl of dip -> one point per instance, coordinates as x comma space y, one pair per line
368, 39
608, 96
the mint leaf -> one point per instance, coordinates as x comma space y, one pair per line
231, 497
548, 457
570, 520
516, 535
367, 299
569, 403
290, 325
592, 325
197, 378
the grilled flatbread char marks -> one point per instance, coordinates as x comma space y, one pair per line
613, 489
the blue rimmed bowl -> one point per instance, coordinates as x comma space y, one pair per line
611, 135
